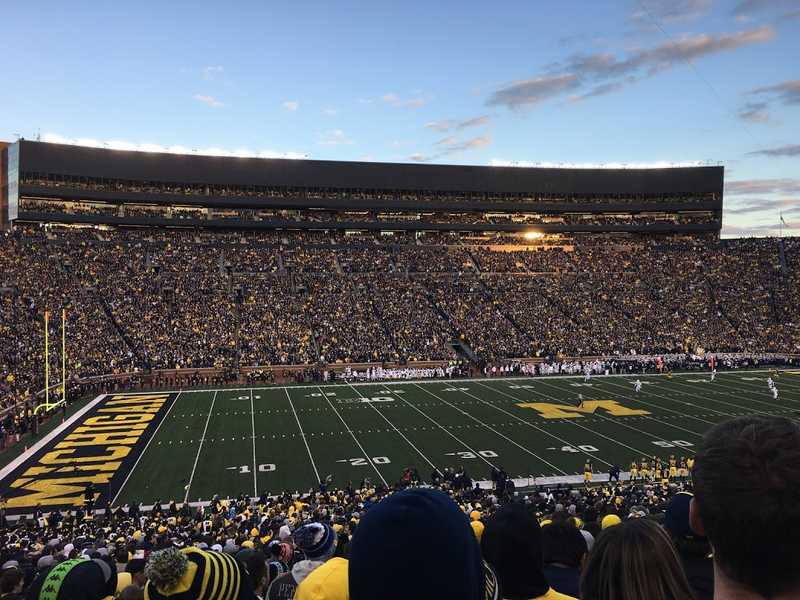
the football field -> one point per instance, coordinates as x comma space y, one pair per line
192, 444
288, 438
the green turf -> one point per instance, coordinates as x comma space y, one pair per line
474, 423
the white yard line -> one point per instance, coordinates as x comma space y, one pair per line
489, 427
747, 409
684, 403
302, 435
536, 427
451, 434
255, 466
757, 387
202, 440
355, 439
648, 417
143, 452
401, 434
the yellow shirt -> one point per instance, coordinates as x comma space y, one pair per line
554, 595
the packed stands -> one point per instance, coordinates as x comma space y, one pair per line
158, 299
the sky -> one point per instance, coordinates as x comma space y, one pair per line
535, 82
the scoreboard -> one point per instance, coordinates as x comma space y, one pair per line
9, 184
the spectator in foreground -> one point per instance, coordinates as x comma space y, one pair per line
417, 544
747, 502
512, 544
563, 550
633, 561
693, 549
317, 542
193, 574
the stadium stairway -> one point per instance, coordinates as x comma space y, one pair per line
782, 255
370, 297
100, 299
493, 302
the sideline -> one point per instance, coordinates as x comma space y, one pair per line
430, 380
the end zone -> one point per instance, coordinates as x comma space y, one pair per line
99, 444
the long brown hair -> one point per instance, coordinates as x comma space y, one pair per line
633, 561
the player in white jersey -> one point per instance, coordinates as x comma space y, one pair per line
770, 383
587, 372
637, 386
713, 375
775, 392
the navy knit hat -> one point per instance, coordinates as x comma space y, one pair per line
676, 519
512, 544
316, 540
417, 544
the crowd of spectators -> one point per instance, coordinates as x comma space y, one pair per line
153, 299
729, 530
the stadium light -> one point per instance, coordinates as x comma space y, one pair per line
533, 235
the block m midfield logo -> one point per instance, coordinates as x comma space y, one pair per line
589, 407
98, 446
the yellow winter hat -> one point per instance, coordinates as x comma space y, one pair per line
477, 529
610, 521
475, 515
327, 582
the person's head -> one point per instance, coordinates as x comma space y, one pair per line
634, 560
259, 573
131, 592
317, 541
328, 582
512, 545
563, 544
11, 581
135, 567
417, 544
747, 502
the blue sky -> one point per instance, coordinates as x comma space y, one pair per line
536, 82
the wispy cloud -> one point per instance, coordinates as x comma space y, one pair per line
763, 186
450, 139
330, 112
787, 92
767, 206
55, 138
602, 73
335, 137
208, 100
668, 11
529, 92
398, 102
748, 7
755, 112
789, 150
291, 105
450, 124
451, 145
212, 72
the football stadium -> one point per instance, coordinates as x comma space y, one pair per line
241, 375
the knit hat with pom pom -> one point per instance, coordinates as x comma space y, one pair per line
194, 574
